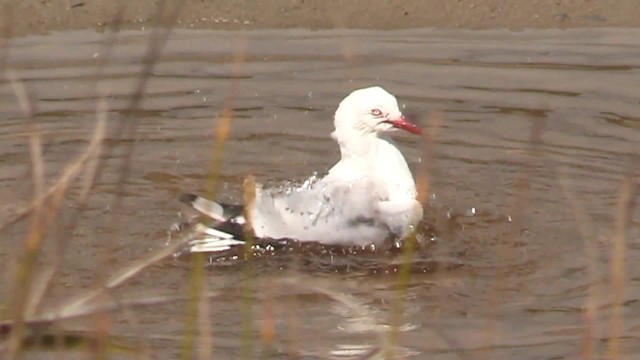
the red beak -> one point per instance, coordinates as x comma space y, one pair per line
403, 124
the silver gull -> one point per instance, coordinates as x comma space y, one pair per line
369, 196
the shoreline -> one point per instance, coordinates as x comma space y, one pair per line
39, 17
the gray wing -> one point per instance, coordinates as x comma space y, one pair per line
331, 212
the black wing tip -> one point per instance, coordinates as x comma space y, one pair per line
188, 198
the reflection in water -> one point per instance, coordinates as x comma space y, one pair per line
485, 281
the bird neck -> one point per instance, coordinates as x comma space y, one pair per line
354, 144
375, 156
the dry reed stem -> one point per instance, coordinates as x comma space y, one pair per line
618, 262
223, 121
410, 243
102, 111
107, 46
249, 198
77, 305
158, 39
159, 36
428, 157
94, 150
22, 287
196, 281
27, 297
588, 349
268, 328
293, 320
520, 201
48, 319
205, 337
196, 276
142, 346
54, 194
157, 42
7, 33
28, 293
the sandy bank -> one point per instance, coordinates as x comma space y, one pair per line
38, 16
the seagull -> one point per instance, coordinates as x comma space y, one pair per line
366, 198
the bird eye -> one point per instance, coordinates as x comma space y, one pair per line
376, 112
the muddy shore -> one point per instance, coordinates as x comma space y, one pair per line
40, 16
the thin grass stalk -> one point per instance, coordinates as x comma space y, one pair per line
223, 123
142, 344
410, 244
36, 231
249, 197
52, 195
618, 263
157, 42
6, 11
268, 328
196, 276
93, 150
588, 350
404, 276
520, 200
102, 62
43, 210
43, 322
158, 39
108, 44
292, 317
205, 337
72, 307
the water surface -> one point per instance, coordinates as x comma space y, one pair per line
506, 274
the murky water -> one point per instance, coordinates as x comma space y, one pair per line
506, 275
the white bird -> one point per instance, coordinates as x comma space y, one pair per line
366, 198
